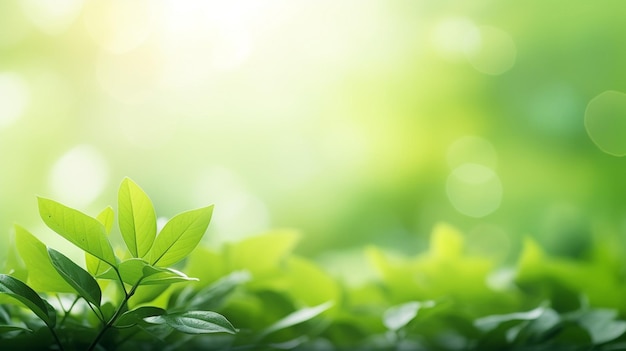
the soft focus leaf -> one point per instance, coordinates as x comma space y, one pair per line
275, 247
137, 218
10, 328
42, 275
81, 230
491, 322
195, 322
78, 278
446, 241
397, 317
23, 293
296, 317
602, 325
180, 236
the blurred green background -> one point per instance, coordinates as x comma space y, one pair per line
355, 122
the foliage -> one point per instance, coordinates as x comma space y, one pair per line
442, 299
112, 320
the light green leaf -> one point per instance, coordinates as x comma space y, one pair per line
23, 293
81, 230
106, 217
137, 218
397, 317
491, 322
195, 322
42, 275
136, 316
164, 276
180, 236
296, 317
94, 264
134, 269
77, 277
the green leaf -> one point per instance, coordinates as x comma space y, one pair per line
10, 328
136, 316
77, 277
296, 317
81, 230
180, 236
137, 218
601, 325
106, 217
491, 322
213, 295
397, 317
23, 293
42, 275
94, 264
195, 322
165, 276
134, 269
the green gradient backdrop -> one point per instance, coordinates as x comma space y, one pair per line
355, 122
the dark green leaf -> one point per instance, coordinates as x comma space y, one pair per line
195, 322
23, 293
180, 236
77, 277
137, 218
81, 230
133, 317
10, 328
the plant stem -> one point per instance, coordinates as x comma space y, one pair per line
67, 313
117, 313
56, 337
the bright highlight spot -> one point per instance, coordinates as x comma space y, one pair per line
131, 77
474, 190
472, 149
53, 17
238, 213
453, 37
605, 121
14, 98
119, 26
495, 52
79, 176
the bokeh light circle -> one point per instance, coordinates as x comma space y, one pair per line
472, 149
79, 176
474, 190
605, 121
495, 54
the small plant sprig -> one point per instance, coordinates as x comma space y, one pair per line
148, 263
